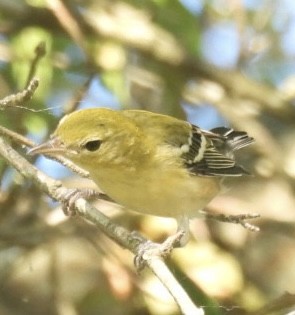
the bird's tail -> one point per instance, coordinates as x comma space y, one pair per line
219, 158
235, 140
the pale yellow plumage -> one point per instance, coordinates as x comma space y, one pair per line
147, 162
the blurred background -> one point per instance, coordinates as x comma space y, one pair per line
212, 62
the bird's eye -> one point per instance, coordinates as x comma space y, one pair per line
92, 145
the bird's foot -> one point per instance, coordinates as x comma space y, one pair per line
149, 250
69, 198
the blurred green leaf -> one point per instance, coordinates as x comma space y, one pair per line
24, 44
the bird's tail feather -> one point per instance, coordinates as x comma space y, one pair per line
236, 140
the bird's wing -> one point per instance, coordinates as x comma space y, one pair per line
210, 153
204, 153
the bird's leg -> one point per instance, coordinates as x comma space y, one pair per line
68, 200
183, 227
149, 249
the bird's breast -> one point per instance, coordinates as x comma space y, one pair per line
167, 193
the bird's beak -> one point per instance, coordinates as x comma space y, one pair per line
53, 146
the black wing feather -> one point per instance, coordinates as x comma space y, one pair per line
211, 153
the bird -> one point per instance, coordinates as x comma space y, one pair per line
148, 162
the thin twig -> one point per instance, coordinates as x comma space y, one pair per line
16, 137
17, 99
40, 51
19, 139
68, 22
78, 96
236, 219
119, 234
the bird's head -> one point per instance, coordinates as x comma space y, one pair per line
93, 137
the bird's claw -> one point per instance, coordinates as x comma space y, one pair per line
149, 250
69, 198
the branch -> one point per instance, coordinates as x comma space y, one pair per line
119, 234
236, 219
160, 269
40, 51
17, 99
78, 96
17, 138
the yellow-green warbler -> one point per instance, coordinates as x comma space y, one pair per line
150, 163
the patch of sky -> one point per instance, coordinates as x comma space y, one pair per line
3, 53
253, 4
96, 96
49, 167
58, 100
287, 40
99, 96
280, 69
194, 6
284, 14
52, 168
75, 53
205, 116
284, 22
7, 179
220, 45
37, 137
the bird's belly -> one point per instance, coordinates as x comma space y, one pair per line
166, 195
